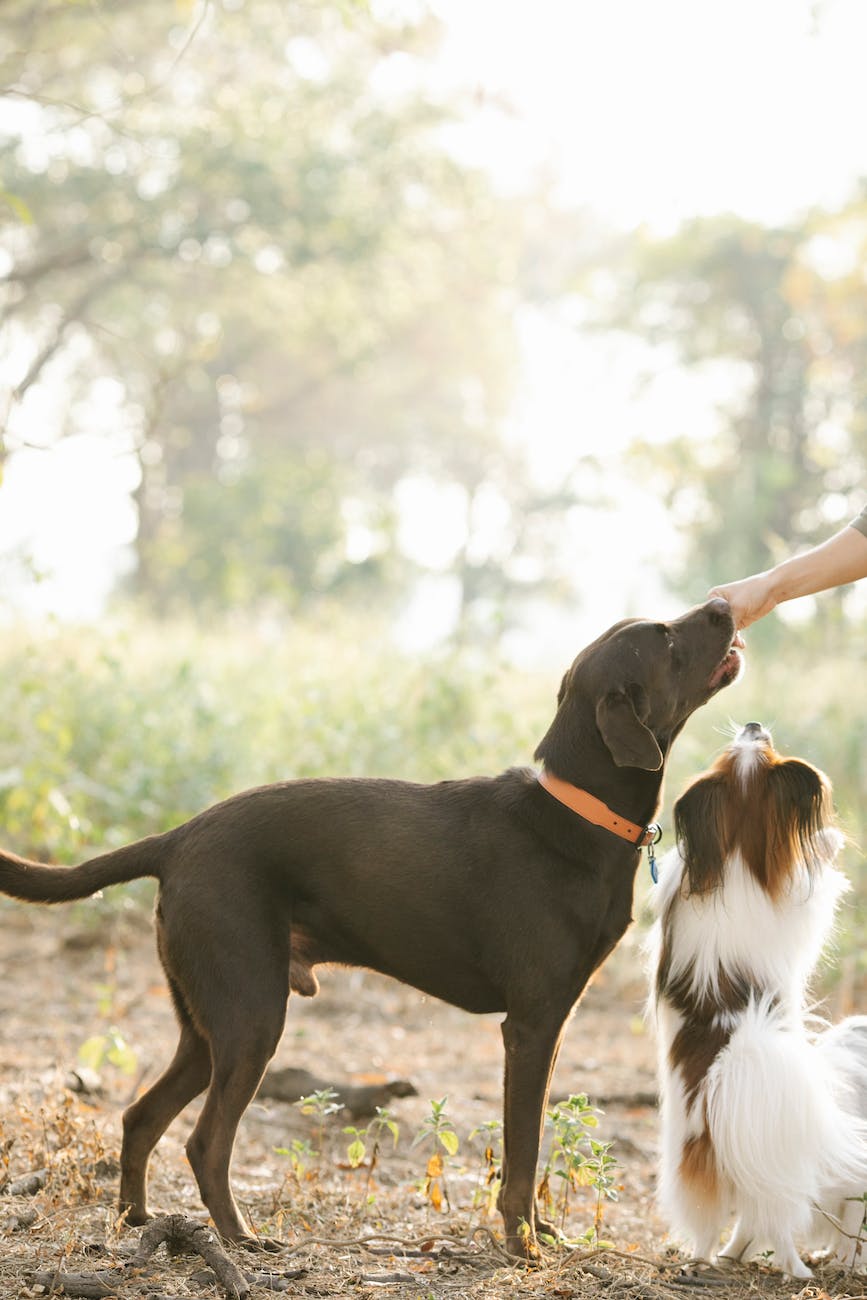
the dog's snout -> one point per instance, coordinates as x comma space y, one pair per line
754, 731
719, 610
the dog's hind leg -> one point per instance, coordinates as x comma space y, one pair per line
145, 1121
243, 1032
739, 1242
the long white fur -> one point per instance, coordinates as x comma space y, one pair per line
782, 1116
738, 927
838, 1228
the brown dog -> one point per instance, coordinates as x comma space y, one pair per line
491, 893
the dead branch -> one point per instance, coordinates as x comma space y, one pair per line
178, 1234
88, 1286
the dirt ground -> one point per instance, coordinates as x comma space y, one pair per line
69, 975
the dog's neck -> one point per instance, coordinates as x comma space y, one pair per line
592, 809
573, 750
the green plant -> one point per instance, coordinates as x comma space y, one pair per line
489, 1180
579, 1161
322, 1104
383, 1122
439, 1132
109, 1048
301, 1154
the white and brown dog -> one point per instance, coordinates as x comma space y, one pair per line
761, 1119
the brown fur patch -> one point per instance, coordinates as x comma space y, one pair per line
770, 812
698, 1169
706, 1021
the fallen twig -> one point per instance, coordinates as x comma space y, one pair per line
88, 1286
385, 1279
177, 1232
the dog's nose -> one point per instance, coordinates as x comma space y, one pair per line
719, 609
752, 731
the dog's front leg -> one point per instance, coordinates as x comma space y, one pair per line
531, 1050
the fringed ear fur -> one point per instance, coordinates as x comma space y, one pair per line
783, 816
701, 829
797, 821
629, 741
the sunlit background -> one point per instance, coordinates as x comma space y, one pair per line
424, 334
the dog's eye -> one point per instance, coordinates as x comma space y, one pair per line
670, 643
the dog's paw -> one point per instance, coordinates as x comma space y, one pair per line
132, 1216
524, 1248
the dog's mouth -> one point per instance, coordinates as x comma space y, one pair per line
729, 667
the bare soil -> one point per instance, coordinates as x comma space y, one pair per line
71, 974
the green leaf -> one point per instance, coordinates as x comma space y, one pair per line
356, 1152
92, 1052
450, 1141
120, 1054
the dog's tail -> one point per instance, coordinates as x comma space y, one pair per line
34, 882
779, 1122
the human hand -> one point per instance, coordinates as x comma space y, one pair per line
750, 598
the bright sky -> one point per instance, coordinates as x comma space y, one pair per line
652, 112
646, 112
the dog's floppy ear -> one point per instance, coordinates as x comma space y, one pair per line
619, 719
564, 687
701, 830
797, 817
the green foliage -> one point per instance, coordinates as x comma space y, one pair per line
438, 1132
300, 1154
323, 1105
273, 535
578, 1160
774, 319
438, 1129
109, 738
110, 1048
382, 1122
371, 1136
490, 1181
246, 224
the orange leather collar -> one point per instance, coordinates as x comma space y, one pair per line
595, 811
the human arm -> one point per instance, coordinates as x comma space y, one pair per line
841, 559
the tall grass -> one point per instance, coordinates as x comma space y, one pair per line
114, 734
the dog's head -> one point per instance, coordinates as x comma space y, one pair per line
635, 687
775, 813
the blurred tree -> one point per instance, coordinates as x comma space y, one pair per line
244, 216
776, 320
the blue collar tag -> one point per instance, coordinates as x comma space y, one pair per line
651, 856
